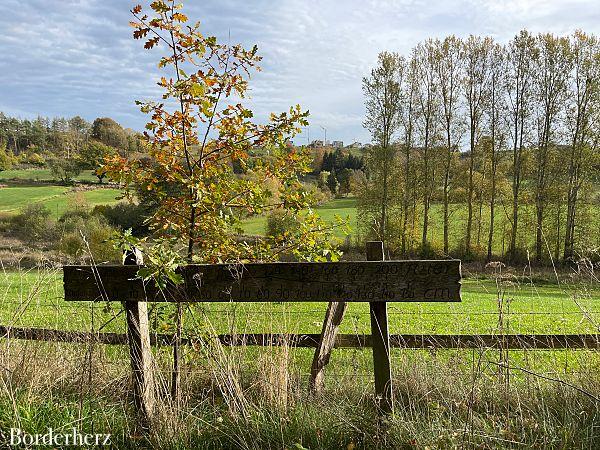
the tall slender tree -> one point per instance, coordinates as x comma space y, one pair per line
427, 106
382, 91
520, 59
408, 124
552, 71
476, 51
583, 102
448, 69
495, 126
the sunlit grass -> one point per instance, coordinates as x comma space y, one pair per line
56, 198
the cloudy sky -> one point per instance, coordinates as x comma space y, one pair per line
69, 57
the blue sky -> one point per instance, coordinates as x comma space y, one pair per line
69, 57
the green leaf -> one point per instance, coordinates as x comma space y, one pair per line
197, 90
299, 446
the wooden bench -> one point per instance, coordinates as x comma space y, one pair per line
375, 281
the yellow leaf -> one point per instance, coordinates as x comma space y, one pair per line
197, 90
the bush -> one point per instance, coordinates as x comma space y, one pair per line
319, 196
280, 221
33, 224
86, 235
476, 253
430, 251
125, 216
34, 159
64, 170
5, 222
6, 158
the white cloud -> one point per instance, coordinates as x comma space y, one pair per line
74, 57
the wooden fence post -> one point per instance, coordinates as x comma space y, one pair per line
333, 318
138, 337
380, 341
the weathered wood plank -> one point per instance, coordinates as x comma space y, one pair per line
380, 342
140, 351
358, 281
333, 319
400, 341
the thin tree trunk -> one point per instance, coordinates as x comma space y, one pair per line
557, 246
519, 125
382, 225
492, 218
470, 192
539, 232
426, 189
405, 203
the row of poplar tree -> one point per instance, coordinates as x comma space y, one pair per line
471, 134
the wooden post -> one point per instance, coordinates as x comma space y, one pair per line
380, 341
138, 337
333, 318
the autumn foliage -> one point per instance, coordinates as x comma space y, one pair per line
196, 134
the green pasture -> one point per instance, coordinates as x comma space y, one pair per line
56, 198
342, 207
41, 175
588, 230
35, 298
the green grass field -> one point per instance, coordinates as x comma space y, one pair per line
438, 393
35, 298
342, 207
589, 229
41, 175
56, 198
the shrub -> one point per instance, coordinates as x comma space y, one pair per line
34, 159
476, 252
64, 170
279, 221
430, 251
33, 223
86, 235
6, 158
125, 216
319, 196
5, 222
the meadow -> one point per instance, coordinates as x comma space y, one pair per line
57, 199
255, 398
530, 307
342, 207
42, 175
345, 208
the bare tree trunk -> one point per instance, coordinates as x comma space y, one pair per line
426, 192
405, 200
446, 197
571, 200
516, 185
558, 231
492, 218
539, 231
494, 166
470, 190
382, 225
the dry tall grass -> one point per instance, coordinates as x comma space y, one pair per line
257, 398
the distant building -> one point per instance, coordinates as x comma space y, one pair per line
316, 144
337, 144
355, 144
